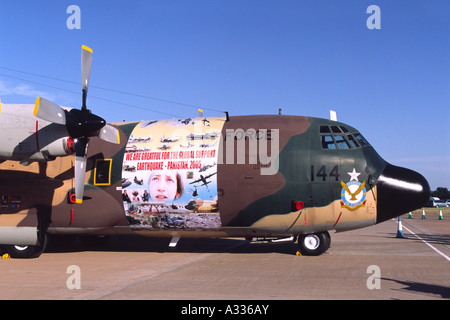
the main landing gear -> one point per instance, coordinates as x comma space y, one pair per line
25, 251
314, 244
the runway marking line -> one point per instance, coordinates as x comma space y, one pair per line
418, 237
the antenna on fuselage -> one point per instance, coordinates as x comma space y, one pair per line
333, 115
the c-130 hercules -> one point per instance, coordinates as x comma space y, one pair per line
66, 172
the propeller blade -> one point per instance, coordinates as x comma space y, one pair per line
110, 134
86, 64
80, 124
49, 111
80, 167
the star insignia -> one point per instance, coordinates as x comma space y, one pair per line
354, 175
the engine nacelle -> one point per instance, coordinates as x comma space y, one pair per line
58, 148
25, 138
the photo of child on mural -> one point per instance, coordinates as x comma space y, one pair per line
169, 174
165, 185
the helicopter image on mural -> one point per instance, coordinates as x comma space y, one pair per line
66, 171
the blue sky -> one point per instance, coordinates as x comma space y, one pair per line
246, 57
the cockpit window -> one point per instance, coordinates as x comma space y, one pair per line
328, 142
352, 141
325, 129
341, 142
335, 129
340, 137
363, 142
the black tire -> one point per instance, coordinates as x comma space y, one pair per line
314, 244
26, 252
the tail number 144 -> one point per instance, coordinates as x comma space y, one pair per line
321, 174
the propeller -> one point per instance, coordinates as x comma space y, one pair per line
81, 124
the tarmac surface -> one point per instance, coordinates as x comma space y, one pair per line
364, 264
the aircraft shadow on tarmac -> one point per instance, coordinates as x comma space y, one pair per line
160, 245
123, 243
434, 239
418, 287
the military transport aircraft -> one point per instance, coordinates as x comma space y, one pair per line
203, 179
62, 172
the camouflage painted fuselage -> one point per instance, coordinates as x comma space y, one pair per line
315, 175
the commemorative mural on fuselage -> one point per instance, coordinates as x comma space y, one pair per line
169, 174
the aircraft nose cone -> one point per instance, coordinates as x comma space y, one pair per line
400, 191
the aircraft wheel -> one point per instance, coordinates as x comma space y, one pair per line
314, 244
24, 252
